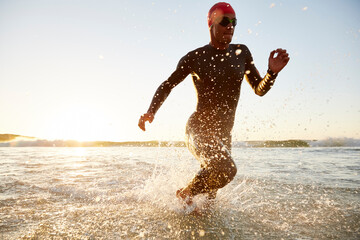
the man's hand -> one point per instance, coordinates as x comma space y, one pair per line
147, 117
276, 64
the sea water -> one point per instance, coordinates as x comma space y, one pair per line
129, 193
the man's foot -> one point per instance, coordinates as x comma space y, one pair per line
186, 199
190, 207
184, 195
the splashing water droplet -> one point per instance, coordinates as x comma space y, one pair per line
247, 71
238, 51
305, 8
201, 233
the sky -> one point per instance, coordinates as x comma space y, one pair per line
87, 69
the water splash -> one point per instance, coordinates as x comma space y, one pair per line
129, 193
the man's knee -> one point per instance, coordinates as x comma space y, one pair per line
230, 171
225, 173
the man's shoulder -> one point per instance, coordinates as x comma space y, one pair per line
199, 50
238, 46
194, 54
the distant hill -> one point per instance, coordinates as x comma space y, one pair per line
12, 140
285, 143
12, 137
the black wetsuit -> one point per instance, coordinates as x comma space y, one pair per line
217, 77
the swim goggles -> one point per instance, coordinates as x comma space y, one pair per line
225, 21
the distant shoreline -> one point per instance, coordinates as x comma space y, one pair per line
72, 143
12, 140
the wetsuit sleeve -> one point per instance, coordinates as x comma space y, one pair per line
182, 70
260, 85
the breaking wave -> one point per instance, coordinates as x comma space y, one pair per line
335, 142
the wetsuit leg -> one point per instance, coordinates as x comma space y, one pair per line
217, 165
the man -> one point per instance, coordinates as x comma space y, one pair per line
217, 70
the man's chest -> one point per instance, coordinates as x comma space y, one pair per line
219, 69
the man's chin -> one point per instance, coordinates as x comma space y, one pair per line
227, 39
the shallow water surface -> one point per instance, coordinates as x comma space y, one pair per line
129, 193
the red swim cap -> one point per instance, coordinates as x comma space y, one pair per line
219, 8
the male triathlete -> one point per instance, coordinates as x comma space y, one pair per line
217, 70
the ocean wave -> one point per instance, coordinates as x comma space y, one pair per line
335, 142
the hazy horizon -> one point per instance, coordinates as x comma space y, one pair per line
19, 138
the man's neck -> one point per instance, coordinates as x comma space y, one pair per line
219, 46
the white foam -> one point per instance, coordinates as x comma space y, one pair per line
336, 142
167, 177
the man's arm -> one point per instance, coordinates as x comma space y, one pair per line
183, 69
262, 85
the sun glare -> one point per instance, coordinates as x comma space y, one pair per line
79, 152
78, 123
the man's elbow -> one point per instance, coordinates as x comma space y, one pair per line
260, 93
